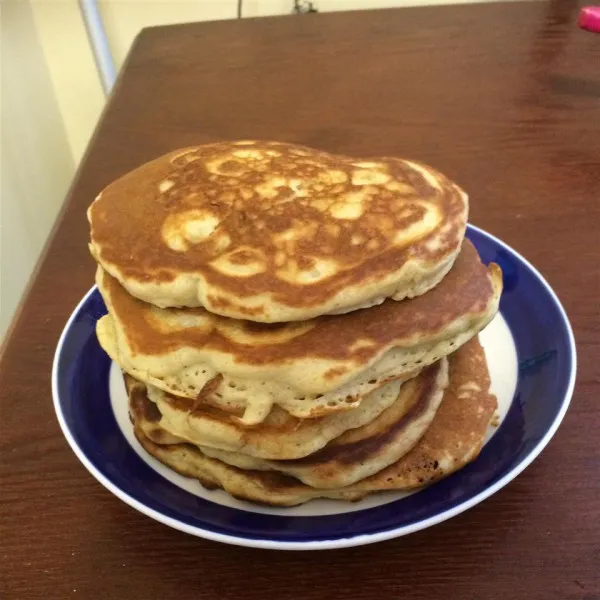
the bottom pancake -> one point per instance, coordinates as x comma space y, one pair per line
453, 439
261, 487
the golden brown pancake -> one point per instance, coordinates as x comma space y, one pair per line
309, 368
453, 439
271, 232
260, 487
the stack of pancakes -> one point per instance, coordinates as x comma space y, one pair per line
294, 324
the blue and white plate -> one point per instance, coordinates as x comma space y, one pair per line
531, 355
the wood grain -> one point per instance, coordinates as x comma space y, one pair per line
505, 98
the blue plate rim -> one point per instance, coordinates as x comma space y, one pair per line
342, 542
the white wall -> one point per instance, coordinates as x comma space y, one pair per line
124, 19
70, 62
37, 163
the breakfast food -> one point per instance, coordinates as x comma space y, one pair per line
364, 450
266, 355
271, 232
453, 439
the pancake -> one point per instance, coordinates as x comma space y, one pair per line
280, 435
273, 232
453, 439
309, 368
260, 487
354, 455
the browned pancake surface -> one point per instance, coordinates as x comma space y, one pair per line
251, 218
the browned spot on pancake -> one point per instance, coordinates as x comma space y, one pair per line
131, 382
179, 403
158, 435
231, 166
207, 483
273, 481
211, 408
335, 372
241, 257
322, 411
261, 328
210, 387
139, 403
207, 409
221, 303
150, 411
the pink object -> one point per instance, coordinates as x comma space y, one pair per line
589, 18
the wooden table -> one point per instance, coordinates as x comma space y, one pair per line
505, 98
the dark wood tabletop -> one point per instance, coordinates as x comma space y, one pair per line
505, 99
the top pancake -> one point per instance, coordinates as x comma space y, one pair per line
272, 232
